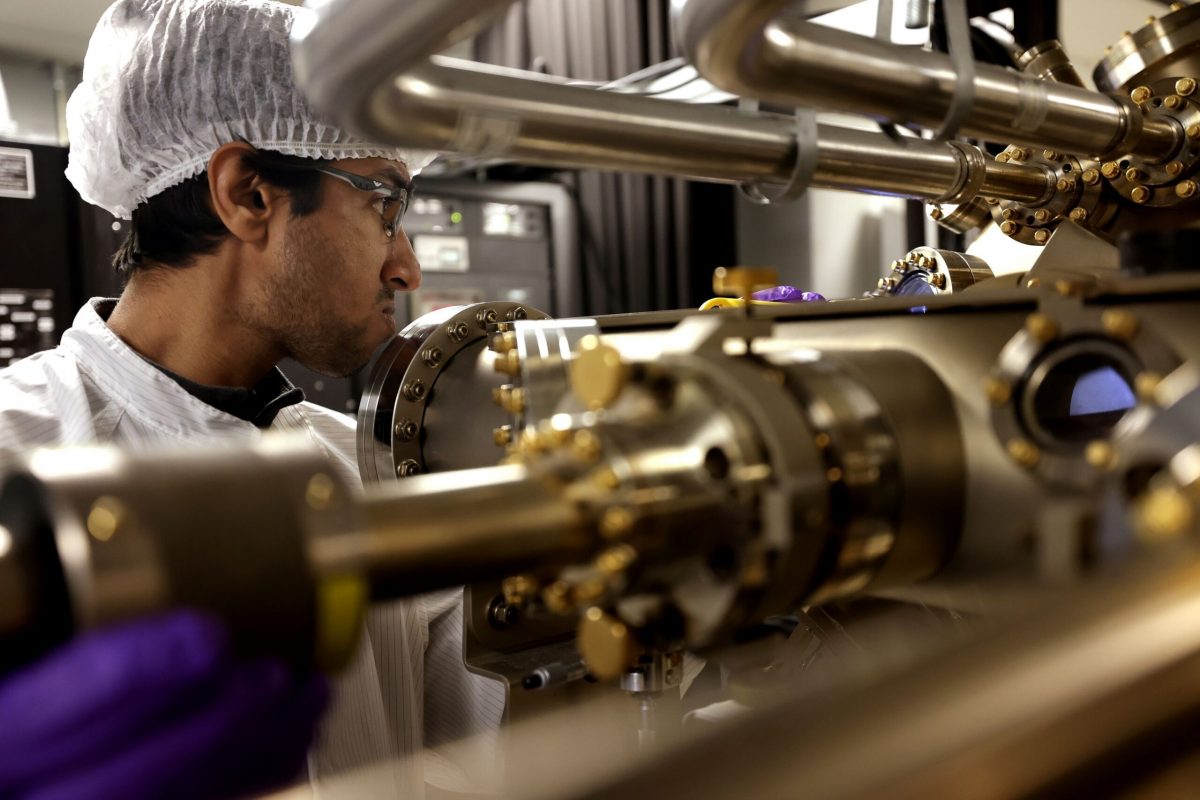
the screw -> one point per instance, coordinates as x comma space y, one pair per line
1050, 155
1042, 215
1002, 157
1066, 185
938, 280
1091, 177
998, 390
1041, 327
935, 214
1175, 169
1120, 324
1134, 175
432, 356
1146, 385
107, 516
405, 430
407, 468
1112, 169
1079, 215
503, 435
1185, 86
1140, 194
1142, 93
517, 313
413, 391
1024, 452
1100, 455
513, 400
1041, 237
1185, 189
1009, 228
616, 522
1009, 213
1173, 102
458, 331
1193, 131
485, 317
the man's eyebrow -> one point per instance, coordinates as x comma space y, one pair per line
392, 175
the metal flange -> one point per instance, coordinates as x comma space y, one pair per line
1080, 195
1169, 184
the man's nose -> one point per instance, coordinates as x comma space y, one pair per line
401, 271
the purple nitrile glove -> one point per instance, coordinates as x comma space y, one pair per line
787, 294
155, 708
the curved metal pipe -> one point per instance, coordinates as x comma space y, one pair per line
756, 50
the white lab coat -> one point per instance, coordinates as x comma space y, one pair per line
93, 388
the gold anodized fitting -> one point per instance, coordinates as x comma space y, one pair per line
998, 390
1185, 86
605, 644
1139, 194
1041, 237
1111, 169
1120, 324
1091, 177
1185, 189
1024, 452
1079, 215
1041, 327
1141, 94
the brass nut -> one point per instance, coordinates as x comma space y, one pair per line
935, 214
106, 518
1175, 169
1173, 102
503, 341
1135, 175
616, 522
516, 314
1100, 455
1033, 283
513, 401
1041, 237
405, 430
1002, 157
585, 445
999, 391
1022, 153
503, 435
432, 356
1024, 452
1140, 194
1163, 514
1112, 169
1050, 155
938, 280
1066, 185
605, 644
557, 598
1079, 215
1193, 131
597, 373
1042, 215
1120, 324
1041, 327
407, 468
1009, 213
519, 589
1091, 177
1141, 94
1185, 189
1009, 228
508, 363
1146, 385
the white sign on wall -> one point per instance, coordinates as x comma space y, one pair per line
16, 173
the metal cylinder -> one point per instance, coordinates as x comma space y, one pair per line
466, 108
751, 50
1048, 61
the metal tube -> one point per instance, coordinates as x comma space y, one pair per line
468, 108
751, 50
434, 531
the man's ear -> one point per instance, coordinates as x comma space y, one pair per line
239, 196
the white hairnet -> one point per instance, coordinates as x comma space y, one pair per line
167, 82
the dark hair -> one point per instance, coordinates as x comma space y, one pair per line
178, 224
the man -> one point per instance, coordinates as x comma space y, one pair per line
260, 231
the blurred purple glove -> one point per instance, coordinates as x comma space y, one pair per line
157, 708
787, 294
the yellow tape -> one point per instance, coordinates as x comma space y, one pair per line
341, 604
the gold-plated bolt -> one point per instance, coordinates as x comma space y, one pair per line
1193, 131
531, 441
585, 445
1146, 386
998, 390
1024, 452
1009, 213
106, 518
503, 341
616, 560
1050, 155
320, 492
518, 589
1162, 514
597, 373
557, 598
935, 214
507, 363
1068, 288
1135, 175
1111, 169
925, 262
1141, 94
1002, 157
1185, 86
1041, 237
1175, 169
498, 393
1041, 327
589, 592
1066, 185
1009, 228
1173, 102
1140, 194
503, 435
1079, 215
1100, 455
512, 399
606, 478
1150, 20
1033, 283
1091, 177
605, 644
1178, 6
1185, 189
938, 280
616, 522
1120, 324
1042, 215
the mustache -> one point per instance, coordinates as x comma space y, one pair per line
386, 297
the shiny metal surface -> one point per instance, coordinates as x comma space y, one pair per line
757, 50
1049, 62
1168, 47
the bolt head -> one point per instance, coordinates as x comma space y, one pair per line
1112, 169
407, 468
432, 356
1079, 215
1041, 327
935, 214
1142, 93
1091, 177
1100, 455
1193, 131
405, 430
1133, 175
998, 390
1120, 324
1175, 169
1024, 452
1185, 86
1140, 194
1009, 228
1041, 237
503, 435
1002, 157
1050, 155
1146, 386
1042, 215
1186, 189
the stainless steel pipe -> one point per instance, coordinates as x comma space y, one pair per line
463, 107
756, 50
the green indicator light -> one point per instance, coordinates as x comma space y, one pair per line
456, 217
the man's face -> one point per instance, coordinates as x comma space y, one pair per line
329, 299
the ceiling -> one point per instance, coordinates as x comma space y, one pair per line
52, 29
